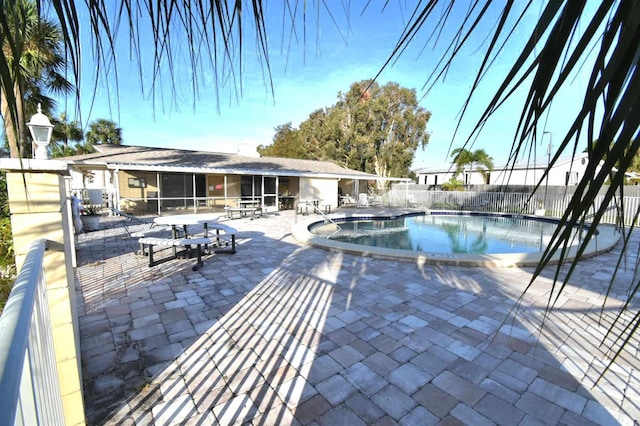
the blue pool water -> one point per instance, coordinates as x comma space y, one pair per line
450, 233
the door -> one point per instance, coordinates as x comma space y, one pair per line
270, 192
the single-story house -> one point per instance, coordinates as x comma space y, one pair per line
566, 171
140, 179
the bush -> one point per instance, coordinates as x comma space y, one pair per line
453, 185
7, 261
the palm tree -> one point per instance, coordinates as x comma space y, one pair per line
103, 131
33, 62
564, 35
463, 157
64, 131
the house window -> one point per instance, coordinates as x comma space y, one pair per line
571, 178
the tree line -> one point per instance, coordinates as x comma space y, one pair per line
371, 128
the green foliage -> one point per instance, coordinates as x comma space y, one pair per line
462, 157
91, 210
65, 137
634, 161
372, 128
453, 185
286, 143
68, 139
4, 198
103, 131
6, 245
7, 260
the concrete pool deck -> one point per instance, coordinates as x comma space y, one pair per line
285, 333
606, 239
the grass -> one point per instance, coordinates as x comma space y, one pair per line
6, 283
7, 263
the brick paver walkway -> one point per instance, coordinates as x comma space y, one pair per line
281, 333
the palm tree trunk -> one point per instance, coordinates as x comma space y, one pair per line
16, 138
22, 122
10, 129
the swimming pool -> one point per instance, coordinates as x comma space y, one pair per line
476, 239
444, 233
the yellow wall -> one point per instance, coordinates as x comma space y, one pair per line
41, 210
126, 192
322, 189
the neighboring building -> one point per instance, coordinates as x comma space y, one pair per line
155, 180
564, 172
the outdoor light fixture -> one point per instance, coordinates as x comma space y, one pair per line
41, 129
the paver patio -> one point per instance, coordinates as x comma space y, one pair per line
282, 333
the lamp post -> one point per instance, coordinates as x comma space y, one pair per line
41, 129
546, 182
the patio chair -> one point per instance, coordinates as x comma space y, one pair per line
363, 200
411, 201
132, 220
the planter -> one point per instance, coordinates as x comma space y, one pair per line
90, 223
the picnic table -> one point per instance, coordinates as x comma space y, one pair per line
192, 244
304, 204
245, 207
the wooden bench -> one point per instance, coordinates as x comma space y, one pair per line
242, 211
188, 243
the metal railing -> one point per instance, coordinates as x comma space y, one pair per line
29, 382
162, 205
507, 202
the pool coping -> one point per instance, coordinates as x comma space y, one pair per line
608, 236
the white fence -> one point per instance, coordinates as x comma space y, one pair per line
554, 205
29, 382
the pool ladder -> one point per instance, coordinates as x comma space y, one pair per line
327, 219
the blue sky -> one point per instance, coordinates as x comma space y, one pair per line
307, 76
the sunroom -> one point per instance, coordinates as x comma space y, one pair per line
144, 180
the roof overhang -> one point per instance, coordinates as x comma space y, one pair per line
84, 164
